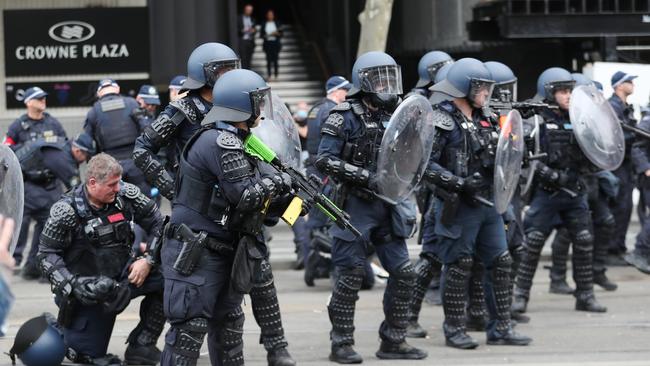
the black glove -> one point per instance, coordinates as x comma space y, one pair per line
166, 187
472, 185
92, 290
551, 178
373, 183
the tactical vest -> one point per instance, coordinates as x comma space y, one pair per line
31, 160
362, 150
116, 130
477, 151
101, 244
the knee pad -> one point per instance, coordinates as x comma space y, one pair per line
460, 270
189, 337
583, 241
609, 221
232, 331
265, 275
502, 267
535, 241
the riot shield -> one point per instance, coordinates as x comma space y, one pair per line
280, 133
596, 127
11, 190
405, 148
507, 163
531, 131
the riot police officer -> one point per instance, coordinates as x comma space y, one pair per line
601, 188
181, 118
148, 101
114, 122
219, 208
176, 88
428, 68
348, 153
316, 265
46, 164
560, 191
35, 124
461, 167
640, 256
621, 207
87, 253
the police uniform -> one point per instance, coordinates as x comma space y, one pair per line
46, 163
221, 194
348, 150
564, 167
114, 127
22, 131
464, 149
641, 159
172, 128
621, 207
81, 241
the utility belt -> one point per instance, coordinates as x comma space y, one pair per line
193, 245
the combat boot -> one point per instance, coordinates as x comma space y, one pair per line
415, 330
587, 302
141, 355
560, 287
641, 262
511, 338
519, 304
600, 279
399, 351
280, 357
345, 354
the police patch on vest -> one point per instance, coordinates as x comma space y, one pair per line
229, 141
333, 125
112, 104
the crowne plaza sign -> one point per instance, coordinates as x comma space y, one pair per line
76, 41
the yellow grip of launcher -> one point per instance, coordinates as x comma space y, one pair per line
292, 212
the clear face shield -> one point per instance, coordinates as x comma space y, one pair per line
214, 69
552, 88
262, 105
480, 92
433, 69
381, 79
505, 92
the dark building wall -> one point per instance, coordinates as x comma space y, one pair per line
177, 27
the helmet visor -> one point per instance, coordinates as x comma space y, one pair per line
554, 86
480, 91
433, 69
505, 92
381, 79
261, 103
214, 69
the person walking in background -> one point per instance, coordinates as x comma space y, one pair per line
246, 25
271, 34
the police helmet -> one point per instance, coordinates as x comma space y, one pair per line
465, 79
207, 62
429, 66
240, 95
376, 73
553, 79
38, 343
505, 88
438, 97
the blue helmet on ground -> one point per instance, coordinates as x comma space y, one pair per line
38, 343
581, 79
553, 79
466, 78
505, 88
207, 62
429, 66
240, 96
376, 73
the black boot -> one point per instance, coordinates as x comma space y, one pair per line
399, 351
425, 271
107, 360
502, 333
560, 287
345, 354
600, 279
280, 357
341, 313
454, 302
639, 261
587, 302
142, 355
266, 310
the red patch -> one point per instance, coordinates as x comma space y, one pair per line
485, 124
115, 217
9, 141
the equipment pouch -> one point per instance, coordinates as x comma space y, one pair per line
247, 263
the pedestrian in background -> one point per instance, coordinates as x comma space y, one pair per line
271, 33
246, 25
